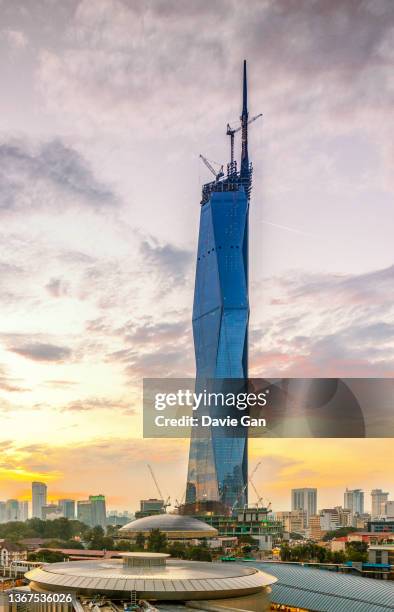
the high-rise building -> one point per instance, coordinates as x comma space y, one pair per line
99, 513
353, 499
68, 508
50, 512
329, 519
217, 471
304, 499
23, 510
84, 512
345, 516
2, 512
39, 498
11, 510
149, 507
379, 499
92, 512
389, 509
315, 531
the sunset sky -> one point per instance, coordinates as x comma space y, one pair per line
105, 107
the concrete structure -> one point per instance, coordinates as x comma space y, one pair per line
389, 510
255, 522
380, 526
23, 510
293, 521
345, 516
381, 553
304, 499
353, 499
84, 512
92, 512
150, 507
39, 498
51, 512
67, 507
9, 552
315, 531
175, 526
98, 509
153, 576
2, 512
329, 519
378, 501
11, 510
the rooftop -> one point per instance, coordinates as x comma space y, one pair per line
326, 591
175, 525
180, 580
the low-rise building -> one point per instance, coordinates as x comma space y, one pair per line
315, 531
338, 544
381, 553
9, 551
380, 526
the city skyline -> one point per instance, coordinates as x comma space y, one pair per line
101, 128
367, 500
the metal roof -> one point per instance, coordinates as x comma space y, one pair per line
327, 591
177, 580
169, 523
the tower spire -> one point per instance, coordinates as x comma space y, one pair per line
244, 124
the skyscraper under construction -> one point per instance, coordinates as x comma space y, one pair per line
217, 472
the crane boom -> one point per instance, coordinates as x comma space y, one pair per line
232, 131
155, 481
217, 175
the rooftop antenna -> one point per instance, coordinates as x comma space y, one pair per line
244, 127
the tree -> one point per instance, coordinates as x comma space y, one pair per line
178, 550
125, 545
47, 556
356, 551
157, 541
140, 541
338, 556
338, 533
285, 552
200, 553
64, 544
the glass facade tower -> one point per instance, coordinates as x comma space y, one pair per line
217, 469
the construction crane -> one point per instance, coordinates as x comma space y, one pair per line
232, 131
238, 496
246, 484
217, 175
166, 502
260, 499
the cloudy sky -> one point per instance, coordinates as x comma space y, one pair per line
105, 106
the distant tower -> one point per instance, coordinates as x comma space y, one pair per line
378, 499
218, 468
39, 498
353, 500
304, 499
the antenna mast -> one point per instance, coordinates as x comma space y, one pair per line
244, 127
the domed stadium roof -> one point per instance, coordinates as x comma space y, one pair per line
169, 580
175, 526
